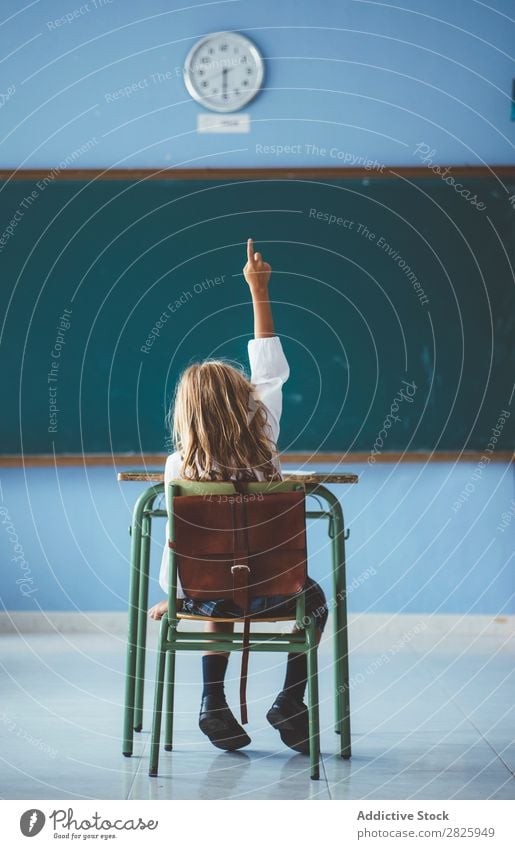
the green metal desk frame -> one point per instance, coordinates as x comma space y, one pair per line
140, 531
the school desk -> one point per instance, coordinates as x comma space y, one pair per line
140, 530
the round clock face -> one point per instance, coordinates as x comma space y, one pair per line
224, 71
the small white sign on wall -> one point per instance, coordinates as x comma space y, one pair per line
207, 123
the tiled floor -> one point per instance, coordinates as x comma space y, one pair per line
427, 723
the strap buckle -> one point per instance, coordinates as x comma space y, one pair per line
239, 566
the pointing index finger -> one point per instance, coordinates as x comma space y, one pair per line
250, 251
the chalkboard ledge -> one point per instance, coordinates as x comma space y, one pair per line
306, 458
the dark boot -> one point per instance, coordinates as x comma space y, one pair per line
218, 723
290, 718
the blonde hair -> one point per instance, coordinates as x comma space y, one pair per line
219, 426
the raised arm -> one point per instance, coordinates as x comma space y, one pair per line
268, 365
257, 274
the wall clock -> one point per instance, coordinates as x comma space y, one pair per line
224, 71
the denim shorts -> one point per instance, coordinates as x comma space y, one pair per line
278, 605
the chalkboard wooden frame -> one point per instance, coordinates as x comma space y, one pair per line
301, 458
253, 173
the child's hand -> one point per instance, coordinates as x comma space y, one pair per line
158, 610
256, 272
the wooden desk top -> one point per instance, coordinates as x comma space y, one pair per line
301, 477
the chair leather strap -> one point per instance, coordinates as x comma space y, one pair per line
240, 540
244, 670
241, 574
240, 592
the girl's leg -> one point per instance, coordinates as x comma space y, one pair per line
214, 664
297, 668
296, 677
216, 719
289, 714
218, 628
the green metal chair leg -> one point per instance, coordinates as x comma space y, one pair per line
144, 502
342, 654
130, 672
170, 692
142, 624
342, 693
158, 699
314, 722
337, 635
341, 650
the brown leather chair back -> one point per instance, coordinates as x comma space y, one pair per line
263, 533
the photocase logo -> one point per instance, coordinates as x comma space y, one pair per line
31, 822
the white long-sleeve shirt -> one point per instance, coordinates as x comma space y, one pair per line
268, 371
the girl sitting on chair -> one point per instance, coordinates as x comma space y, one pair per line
225, 427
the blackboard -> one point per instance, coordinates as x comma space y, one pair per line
399, 340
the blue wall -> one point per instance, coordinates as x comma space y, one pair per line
408, 550
365, 78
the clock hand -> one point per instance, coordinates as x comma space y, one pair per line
222, 73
